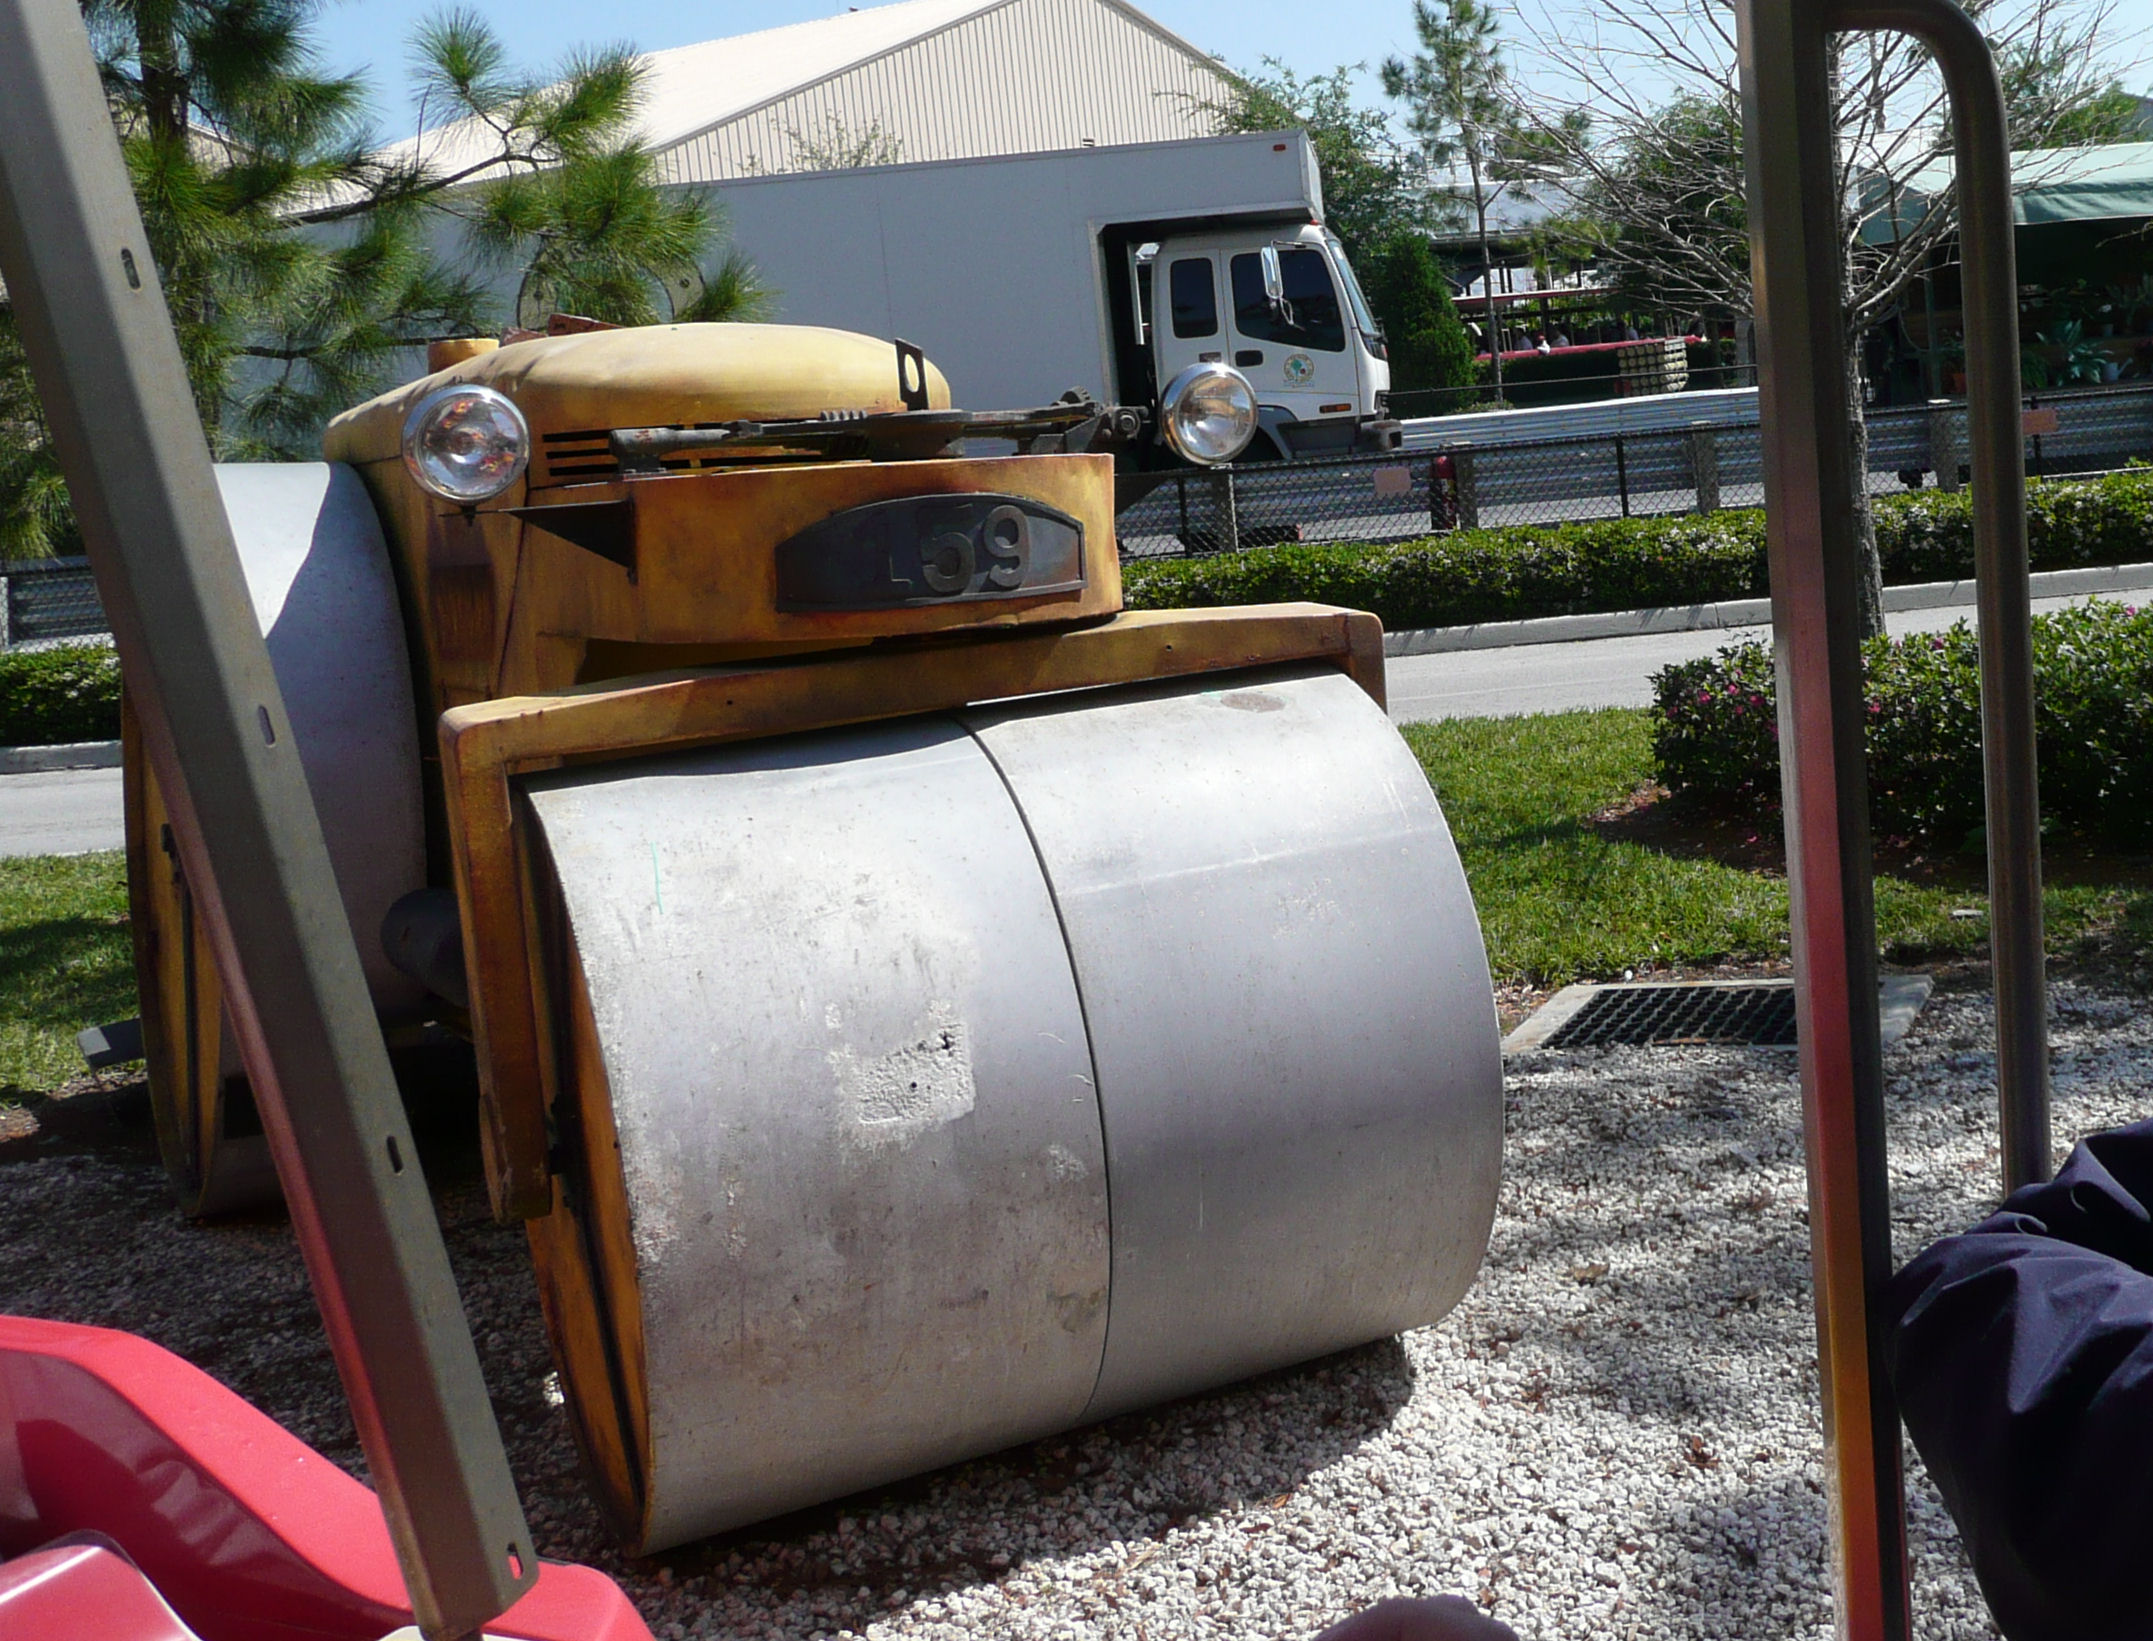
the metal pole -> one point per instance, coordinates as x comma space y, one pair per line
1810, 490
1468, 482
1704, 465
1996, 449
116, 398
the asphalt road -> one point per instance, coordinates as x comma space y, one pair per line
71, 812
1600, 672
61, 812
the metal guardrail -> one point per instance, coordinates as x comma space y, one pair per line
1483, 481
1436, 485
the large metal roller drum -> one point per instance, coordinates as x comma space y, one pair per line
318, 572
938, 1085
1300, 1072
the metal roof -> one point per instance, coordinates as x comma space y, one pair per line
940, 79
2106, 183
692, 88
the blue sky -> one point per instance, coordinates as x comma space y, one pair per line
370, 35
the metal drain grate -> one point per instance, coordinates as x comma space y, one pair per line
1731, 1013
1760, 1015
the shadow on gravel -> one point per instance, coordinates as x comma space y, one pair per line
88, 1234
92, 1113
1686, 1184
1755, 1552
1249, 1446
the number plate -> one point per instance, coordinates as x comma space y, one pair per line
947, 549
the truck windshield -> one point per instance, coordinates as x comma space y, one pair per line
1361, 316
1195, 297
1316, 320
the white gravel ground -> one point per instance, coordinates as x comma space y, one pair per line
1615, 1435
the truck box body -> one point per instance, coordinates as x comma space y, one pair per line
999, 268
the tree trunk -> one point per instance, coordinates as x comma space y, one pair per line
1871, 590
164, 87
1487, 271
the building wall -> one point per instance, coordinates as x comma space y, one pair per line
1028, 76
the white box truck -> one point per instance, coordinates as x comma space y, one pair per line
1103, 269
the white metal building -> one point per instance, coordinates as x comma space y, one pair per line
924, 79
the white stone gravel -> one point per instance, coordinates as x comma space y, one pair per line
1615, 1435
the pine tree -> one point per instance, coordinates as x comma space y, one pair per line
294, 254
1458, 102
1427, 341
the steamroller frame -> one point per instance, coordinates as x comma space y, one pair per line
1811, 487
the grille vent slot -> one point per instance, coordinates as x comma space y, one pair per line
582, 456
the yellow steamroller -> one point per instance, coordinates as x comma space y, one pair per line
919, 1007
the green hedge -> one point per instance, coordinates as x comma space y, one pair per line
1716, 737
1480, 575
1925, 535
1535, 570
57, 696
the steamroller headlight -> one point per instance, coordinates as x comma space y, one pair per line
1209, 413
466, 444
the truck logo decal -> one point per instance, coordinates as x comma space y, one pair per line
944, 549
1299, 367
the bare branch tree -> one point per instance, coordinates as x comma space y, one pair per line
1660, 179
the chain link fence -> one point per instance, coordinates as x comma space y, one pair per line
1442, 484
1493, 479
47, 601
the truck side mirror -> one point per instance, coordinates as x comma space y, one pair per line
1274, 289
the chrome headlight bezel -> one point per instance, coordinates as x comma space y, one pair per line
480, 415
1191, 408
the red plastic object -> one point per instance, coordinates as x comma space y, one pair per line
249, 1533
83, 1591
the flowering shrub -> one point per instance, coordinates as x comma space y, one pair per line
1522, 571
1715, 736
52, 697
1929, 536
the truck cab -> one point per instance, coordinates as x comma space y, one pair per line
1279, 302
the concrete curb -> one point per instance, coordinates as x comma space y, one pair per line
1741, 612
38, 760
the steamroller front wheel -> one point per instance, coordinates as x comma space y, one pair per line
932, 1086
318, 574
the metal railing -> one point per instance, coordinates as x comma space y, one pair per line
1534, 391
1496, 480
1438, 485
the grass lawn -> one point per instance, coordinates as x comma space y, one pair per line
65, 963
1573, 877
1575, 881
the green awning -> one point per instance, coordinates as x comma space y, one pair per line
2103, 184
